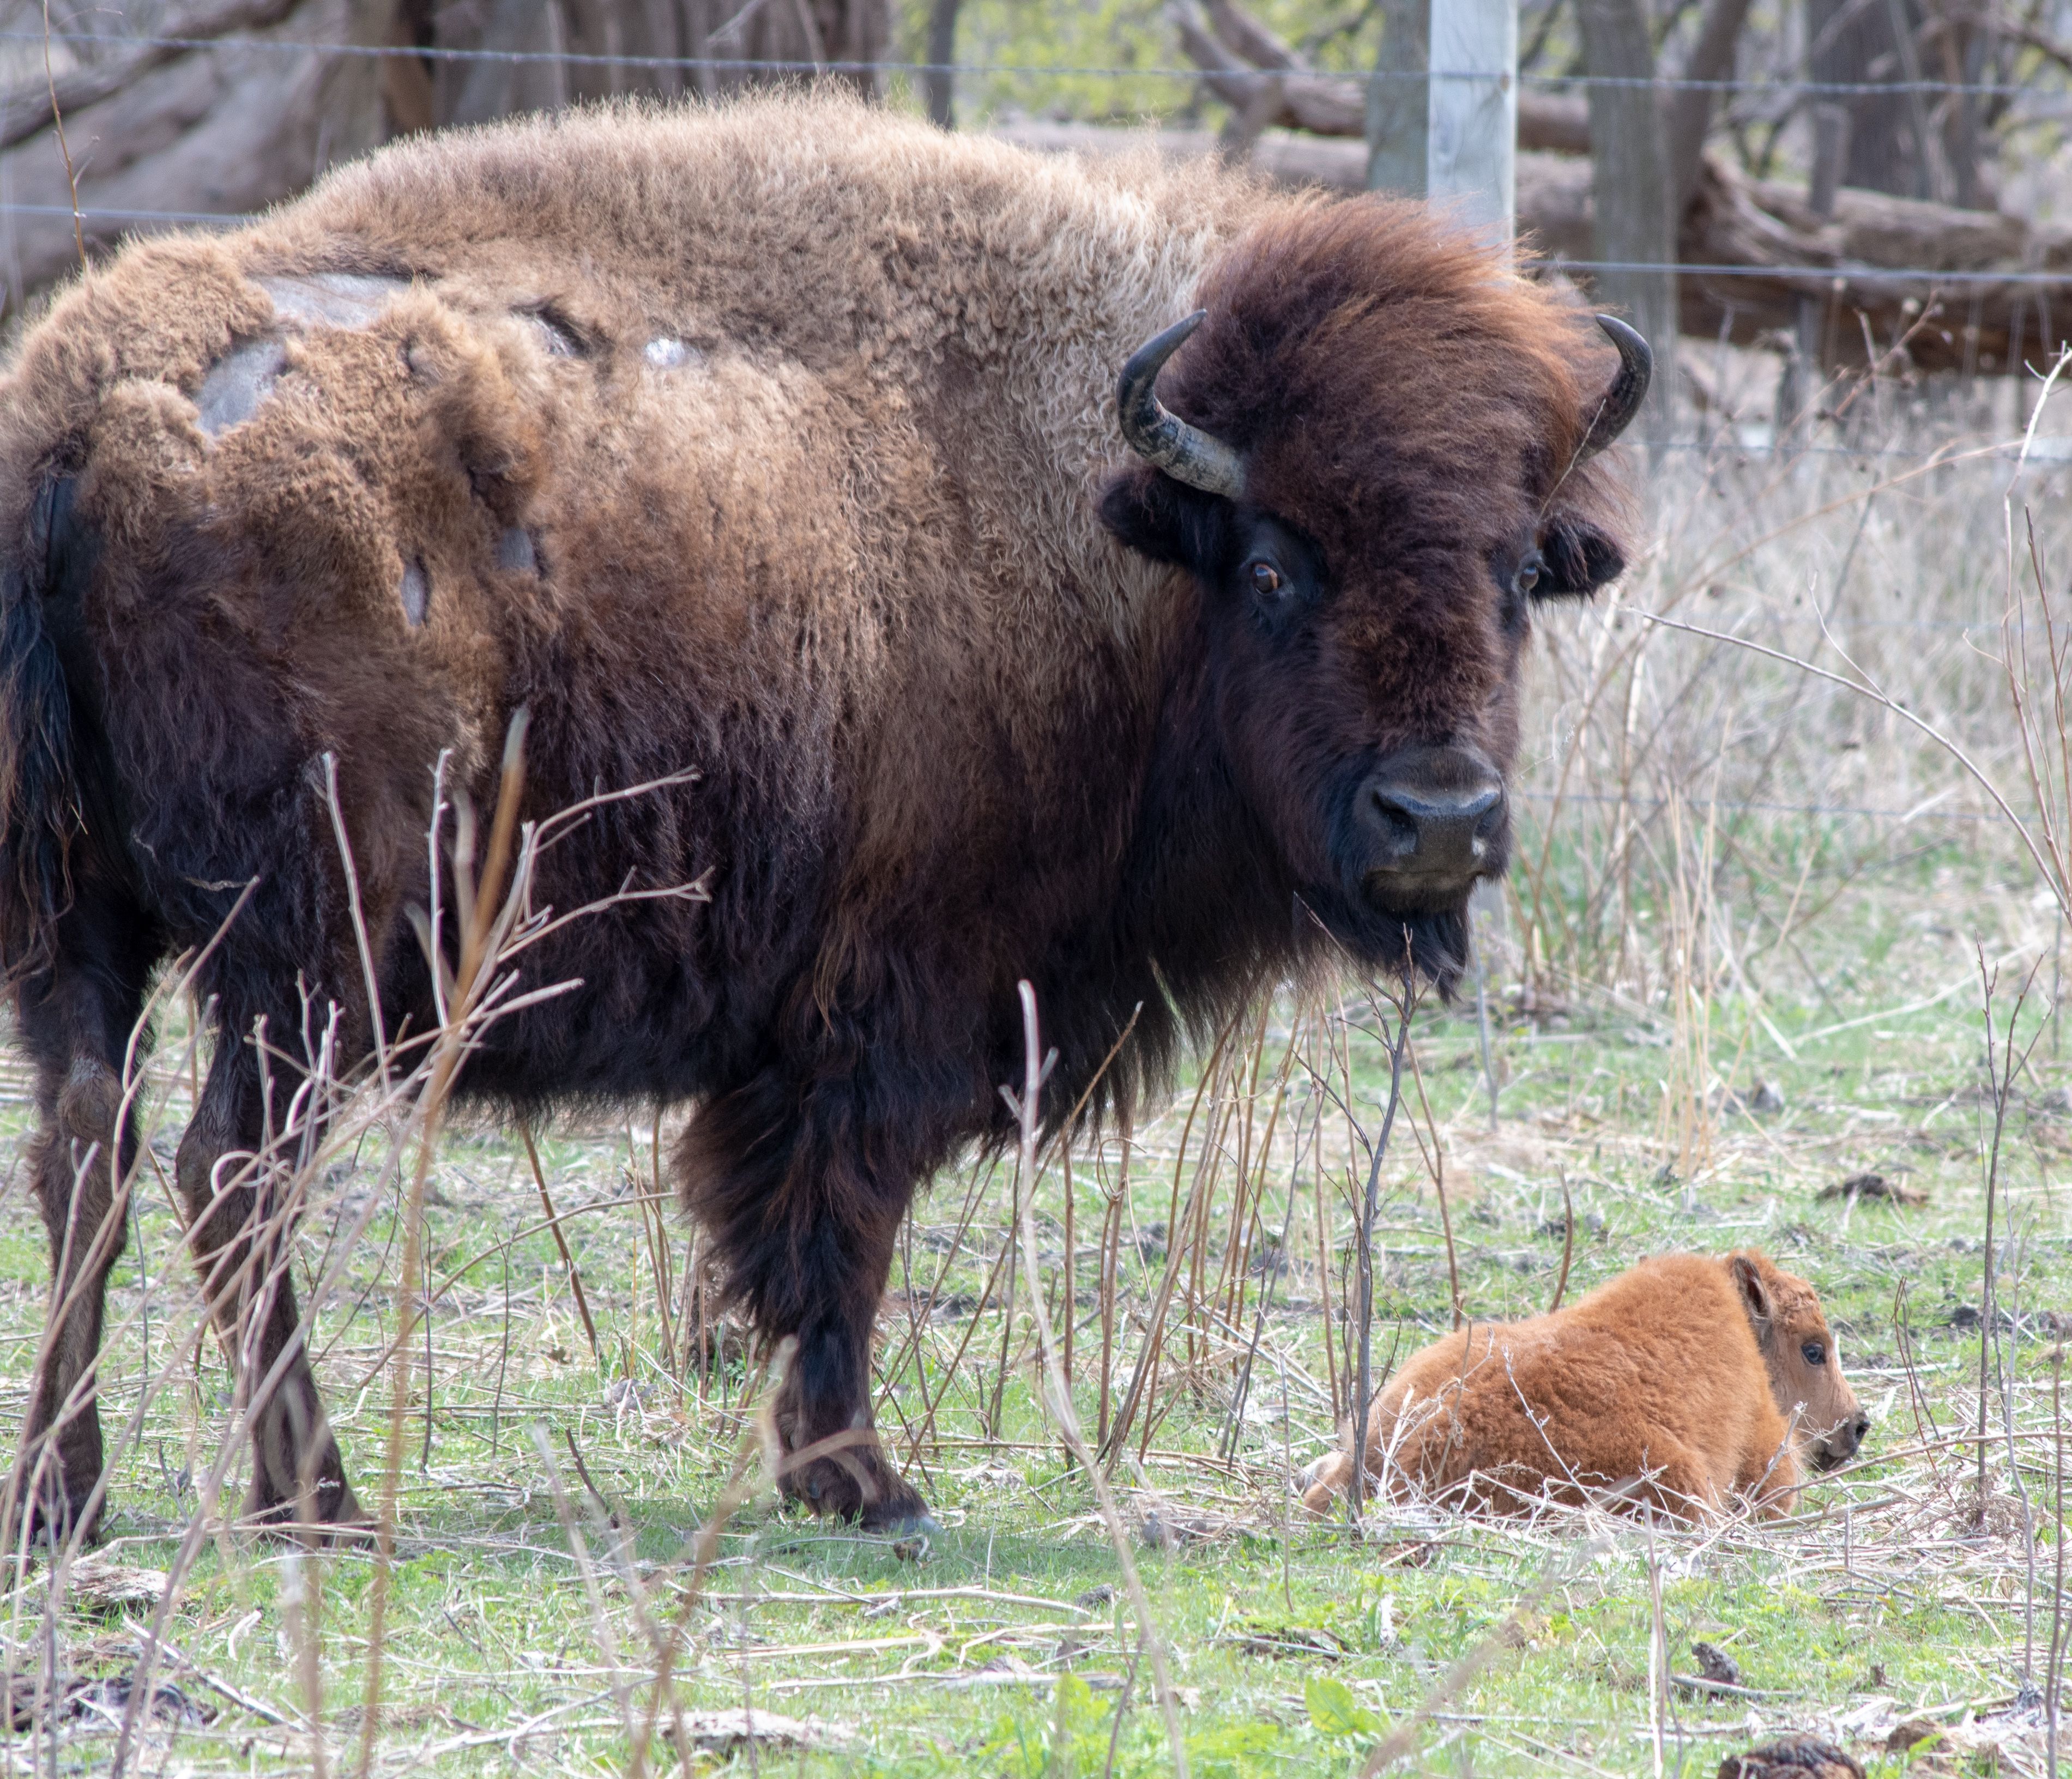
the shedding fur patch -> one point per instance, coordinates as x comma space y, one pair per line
515, 550
416, 592
237, 382
331, 299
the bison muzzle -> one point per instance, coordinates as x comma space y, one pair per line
773, 443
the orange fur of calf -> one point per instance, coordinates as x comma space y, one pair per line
1687, 1381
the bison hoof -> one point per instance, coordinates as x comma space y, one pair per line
333, 1514
919, 1524
59, 1516
858, 1484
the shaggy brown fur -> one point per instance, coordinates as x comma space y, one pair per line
778, 442
1686, 1382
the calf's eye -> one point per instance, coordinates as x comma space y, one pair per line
1813, 1353
1528, 574
1265, 579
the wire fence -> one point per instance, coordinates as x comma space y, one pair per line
33, 92
806, 68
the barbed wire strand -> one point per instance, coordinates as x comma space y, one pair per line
794, 65
1919, 812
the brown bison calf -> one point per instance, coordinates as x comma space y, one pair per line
1684, 1381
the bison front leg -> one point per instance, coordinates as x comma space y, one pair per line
241, 1231
805, 1230
833, 1462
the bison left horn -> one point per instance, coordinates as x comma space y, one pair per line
1185, 453
1621, 401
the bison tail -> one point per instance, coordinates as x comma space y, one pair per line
39, 801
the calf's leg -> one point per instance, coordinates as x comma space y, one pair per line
241, 1234
75, 1019
1771, 1477
1661, 1472
804, 1210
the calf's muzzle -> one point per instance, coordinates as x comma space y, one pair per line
1841, 1442
1433, 819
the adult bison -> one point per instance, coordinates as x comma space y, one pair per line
774, 441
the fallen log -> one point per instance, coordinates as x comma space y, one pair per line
1965, 290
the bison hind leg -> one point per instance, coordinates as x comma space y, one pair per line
76, 1019
241, 1239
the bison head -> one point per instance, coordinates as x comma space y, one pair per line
1388, 464
1804, 1359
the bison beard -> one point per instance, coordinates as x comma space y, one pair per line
770, 441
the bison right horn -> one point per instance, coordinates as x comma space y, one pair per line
1185, 453
1621, 401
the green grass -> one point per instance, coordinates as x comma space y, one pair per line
1292, 1643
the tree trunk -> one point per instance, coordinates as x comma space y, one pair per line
1398, 109
939, 83
1963, 48
1635, 225
1689, 120
1852, 42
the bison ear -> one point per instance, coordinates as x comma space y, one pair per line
1579, 559
1164, 519
1755, 1294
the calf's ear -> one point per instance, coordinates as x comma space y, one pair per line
1755, 1294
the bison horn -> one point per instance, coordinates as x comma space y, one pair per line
1621, 401
1183, 452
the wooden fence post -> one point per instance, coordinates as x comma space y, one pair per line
1471, 155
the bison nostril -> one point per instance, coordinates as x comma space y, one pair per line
1486, 813
1396, 825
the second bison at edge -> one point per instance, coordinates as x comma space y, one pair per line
1684, 1383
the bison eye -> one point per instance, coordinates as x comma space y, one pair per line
1813, 1353
1529, 571
1265, 578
